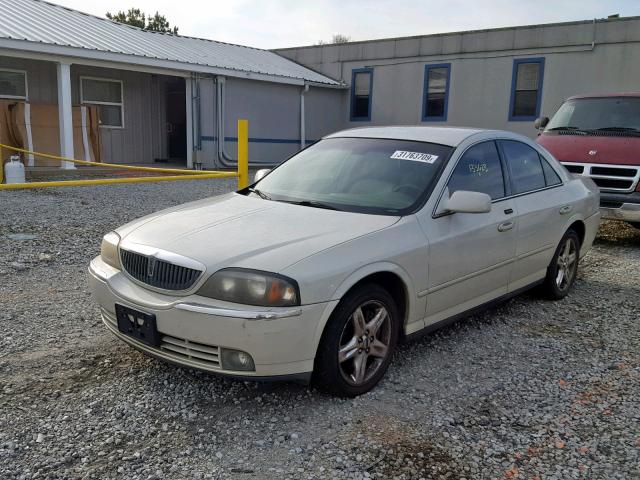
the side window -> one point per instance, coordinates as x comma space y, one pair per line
361, 87
550, 174
479, 170
524, 165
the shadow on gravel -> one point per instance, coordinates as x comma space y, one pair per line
618, 234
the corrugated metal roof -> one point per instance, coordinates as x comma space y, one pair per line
47, 23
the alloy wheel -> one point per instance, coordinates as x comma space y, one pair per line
566, 263
364, 343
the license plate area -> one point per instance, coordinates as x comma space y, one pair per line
138, 325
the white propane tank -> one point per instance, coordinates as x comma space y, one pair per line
14, 170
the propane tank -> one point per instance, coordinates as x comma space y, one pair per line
14, 170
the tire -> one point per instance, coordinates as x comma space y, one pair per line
563, 269
345, 363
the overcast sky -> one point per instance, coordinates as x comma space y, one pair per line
287, 23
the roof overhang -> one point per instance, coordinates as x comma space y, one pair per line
60, 53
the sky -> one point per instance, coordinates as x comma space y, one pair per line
289, 23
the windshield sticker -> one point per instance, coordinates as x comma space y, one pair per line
414, 156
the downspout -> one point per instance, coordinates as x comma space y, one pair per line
302, 117
225, 159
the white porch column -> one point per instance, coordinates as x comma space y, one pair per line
188, 93
65, 118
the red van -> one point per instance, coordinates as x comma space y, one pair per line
599, 136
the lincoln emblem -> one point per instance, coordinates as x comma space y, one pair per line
151, 266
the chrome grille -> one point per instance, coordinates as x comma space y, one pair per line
158, 273
611, 178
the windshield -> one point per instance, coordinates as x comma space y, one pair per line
388, 177
613, 113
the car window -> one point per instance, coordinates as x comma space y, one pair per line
479, 170
524, 165
550, 174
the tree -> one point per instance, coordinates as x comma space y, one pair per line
337, 38
135, 17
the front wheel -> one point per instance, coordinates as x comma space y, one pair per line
563, 269
358, 342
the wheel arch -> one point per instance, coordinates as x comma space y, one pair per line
389, 276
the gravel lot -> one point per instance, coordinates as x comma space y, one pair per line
530, 389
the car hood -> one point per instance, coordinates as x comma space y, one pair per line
238, 231
577, 148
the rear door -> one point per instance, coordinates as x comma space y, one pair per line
470, 254
542, 206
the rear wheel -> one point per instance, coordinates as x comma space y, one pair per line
358, 342
563, 269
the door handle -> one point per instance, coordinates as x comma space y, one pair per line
503, 227
566, 209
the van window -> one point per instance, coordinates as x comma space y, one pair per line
524, 165
617, 114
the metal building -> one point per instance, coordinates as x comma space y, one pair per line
500, 78
154, 96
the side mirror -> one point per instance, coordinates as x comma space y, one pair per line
463, 201
260, 174
541, 122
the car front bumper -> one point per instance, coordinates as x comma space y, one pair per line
193, 329
620, 206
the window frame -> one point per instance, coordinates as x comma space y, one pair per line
425, 93
541, 157
354, 72
26, 85
91, 102
514, 77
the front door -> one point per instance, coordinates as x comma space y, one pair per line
176, 120
471, 254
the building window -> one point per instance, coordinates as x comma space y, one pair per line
526, 89
107, 94
435, 99
13, 84
361, 89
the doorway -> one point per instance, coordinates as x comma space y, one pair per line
176, 121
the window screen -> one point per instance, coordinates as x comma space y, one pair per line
436, 92
524, 165
479, 170
361, 95
107, 94
526, 88
13, 84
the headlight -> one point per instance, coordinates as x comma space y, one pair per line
251, 287
109, 249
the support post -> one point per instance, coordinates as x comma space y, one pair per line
65, 116
243, 154
188, 93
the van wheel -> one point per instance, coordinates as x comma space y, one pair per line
358, 342
563, 269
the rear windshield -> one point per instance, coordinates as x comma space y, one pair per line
609, 113
366, 175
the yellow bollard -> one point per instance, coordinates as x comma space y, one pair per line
243, 154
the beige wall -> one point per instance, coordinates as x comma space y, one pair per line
580, 57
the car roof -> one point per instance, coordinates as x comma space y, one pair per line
450, 136
604, 95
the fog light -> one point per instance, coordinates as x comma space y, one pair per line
237, 360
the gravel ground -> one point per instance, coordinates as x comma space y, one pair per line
530, 389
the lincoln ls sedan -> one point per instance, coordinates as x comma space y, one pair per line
367, 238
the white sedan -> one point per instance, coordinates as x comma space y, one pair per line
366, 238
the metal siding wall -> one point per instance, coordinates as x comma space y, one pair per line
481, 70
143, 138
41, 78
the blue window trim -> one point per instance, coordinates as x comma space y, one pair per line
353, 93
425, 91
514, 75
